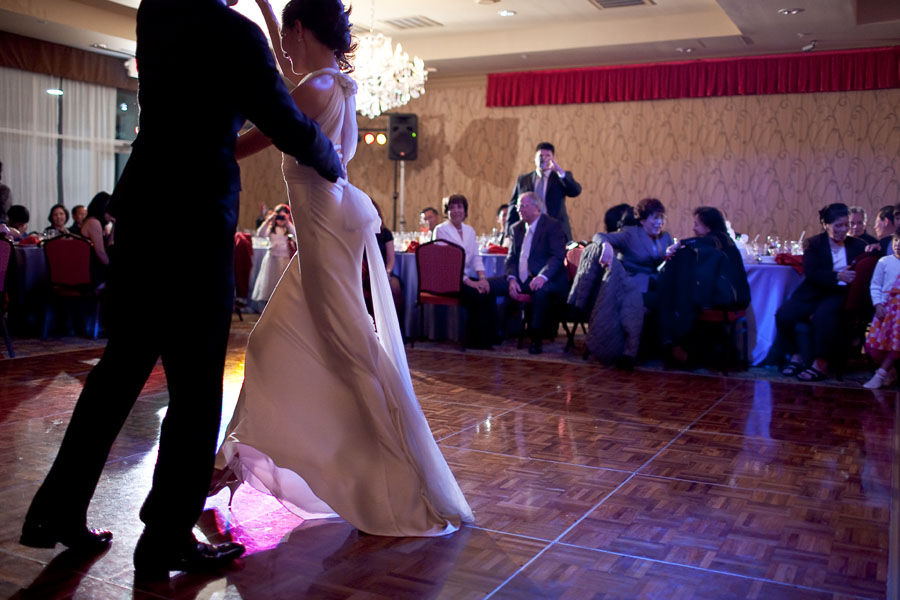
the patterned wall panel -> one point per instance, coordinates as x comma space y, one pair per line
768, 161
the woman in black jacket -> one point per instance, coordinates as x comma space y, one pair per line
827, 262
706, 272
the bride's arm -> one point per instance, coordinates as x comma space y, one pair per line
275, 35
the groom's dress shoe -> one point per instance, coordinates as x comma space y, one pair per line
154, 563
79, 539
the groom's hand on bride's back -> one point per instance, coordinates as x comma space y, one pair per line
331, 169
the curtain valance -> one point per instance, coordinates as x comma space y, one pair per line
865, 69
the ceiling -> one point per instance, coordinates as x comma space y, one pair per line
469, 37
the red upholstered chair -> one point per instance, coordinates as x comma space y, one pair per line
439, 265
6, 250
69, 270
572, 314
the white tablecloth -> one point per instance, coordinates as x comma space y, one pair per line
770, 286
441, 322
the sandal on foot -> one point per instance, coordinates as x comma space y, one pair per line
811, 374
792, 369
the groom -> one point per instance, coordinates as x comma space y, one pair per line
204, 70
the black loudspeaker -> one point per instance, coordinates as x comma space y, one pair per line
403, 137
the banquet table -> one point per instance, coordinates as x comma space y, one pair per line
770, 286
27, 288
441, 322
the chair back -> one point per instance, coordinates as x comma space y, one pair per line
858, 299
68, 261
573, 257
440, 265
6, 250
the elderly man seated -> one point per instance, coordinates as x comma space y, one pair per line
535, 265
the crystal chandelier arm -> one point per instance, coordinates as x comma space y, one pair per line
275, 36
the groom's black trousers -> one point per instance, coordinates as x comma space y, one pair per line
171, 295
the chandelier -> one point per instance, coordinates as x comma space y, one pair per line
385, 76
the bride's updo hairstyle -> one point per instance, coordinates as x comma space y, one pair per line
328, 21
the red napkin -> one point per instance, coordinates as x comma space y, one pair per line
30, 240
495, 249
412, 246
790, 260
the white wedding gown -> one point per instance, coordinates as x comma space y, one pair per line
327, 420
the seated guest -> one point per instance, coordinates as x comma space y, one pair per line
707, 271
535, 264
641, 249
476, 290
58, 217
278, 228
588, 278
858, 225
884, 229
827, 259
16, 225
883, 338
385, 241
97, 227
429, 218
619, 216
502, 238
79, 214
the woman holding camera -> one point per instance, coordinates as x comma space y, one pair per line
278, 228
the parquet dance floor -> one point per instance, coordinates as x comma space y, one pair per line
586, 482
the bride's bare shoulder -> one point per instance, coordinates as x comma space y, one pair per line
313, 94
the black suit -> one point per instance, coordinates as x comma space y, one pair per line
554, 197
819, 297
171, 289
546, 258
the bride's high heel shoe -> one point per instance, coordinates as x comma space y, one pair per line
223, 478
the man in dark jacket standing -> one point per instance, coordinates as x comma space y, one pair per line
551, 183
183, 156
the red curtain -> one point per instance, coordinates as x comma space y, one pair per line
866, 69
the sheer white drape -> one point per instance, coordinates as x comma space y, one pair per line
28, 136
89, 132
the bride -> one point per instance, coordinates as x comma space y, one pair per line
327, 420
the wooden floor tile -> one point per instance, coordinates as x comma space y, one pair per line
527, 497
570, 573
839, 547
850, 473
595, 443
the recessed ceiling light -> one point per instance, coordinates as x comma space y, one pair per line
99, 46
506, 13
788, 12
431, 69
685, 50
